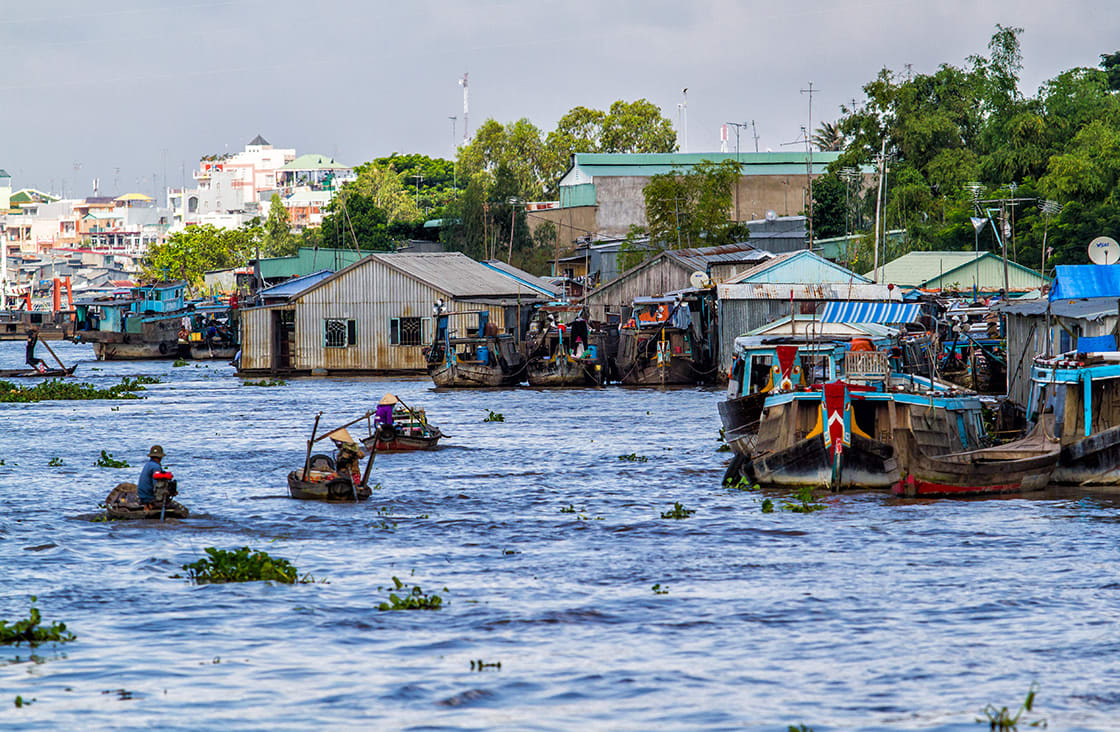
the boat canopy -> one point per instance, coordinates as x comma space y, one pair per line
870, 312
1096, 344
1072, 281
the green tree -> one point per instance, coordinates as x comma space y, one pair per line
191, 253
431, 181
278, 240
385, 189
828, 137
355, 220
693, 209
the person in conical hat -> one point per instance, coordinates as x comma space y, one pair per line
384, 413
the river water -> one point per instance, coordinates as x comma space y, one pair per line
875, 613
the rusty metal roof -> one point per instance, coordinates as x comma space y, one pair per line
456, 274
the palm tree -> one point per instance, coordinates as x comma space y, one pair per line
828, 137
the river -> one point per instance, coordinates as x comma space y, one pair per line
875, 613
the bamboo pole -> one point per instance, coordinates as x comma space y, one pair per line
307, 459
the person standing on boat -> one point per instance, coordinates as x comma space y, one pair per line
33, 340
384, 413
145, 485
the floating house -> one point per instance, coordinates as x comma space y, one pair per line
957, 272
669, 271
375, 316
789, 284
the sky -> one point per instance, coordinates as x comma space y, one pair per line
134, 92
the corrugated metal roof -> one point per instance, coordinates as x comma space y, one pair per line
296, 285
312, 161
520, 275
700, 258
1086, 280
1086, 309
451, 272
802, 291
807, 325
870, 312
587, 166
921, 269
798, 267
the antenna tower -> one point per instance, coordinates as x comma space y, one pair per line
466, 107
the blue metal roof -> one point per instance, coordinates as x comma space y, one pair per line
1073, 281
870, 312
296, 285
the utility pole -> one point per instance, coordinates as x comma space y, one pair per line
878, 205
682, 117
754, 128
1049, 208
809, 145
419, 178
738, 166
849, 175
466, 107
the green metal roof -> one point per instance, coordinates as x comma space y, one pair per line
938, 270
312, 161
308, 261
649, 164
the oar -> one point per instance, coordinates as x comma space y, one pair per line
163, 510
51, 351
369, 465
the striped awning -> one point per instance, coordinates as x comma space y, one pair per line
870, 312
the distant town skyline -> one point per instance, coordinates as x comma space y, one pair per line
134, 93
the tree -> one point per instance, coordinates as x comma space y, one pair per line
355, 220
191, 253
278, 240
516, 146
386, 190
693, 209
1110, 62
431, 181
828, 137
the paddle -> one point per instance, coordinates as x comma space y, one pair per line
51, 351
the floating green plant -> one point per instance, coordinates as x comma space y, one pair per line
108, 461
678, 511
805, 501
265, 382
659, 590
242, 565
55, 462
633, 458
495, 417
21, 702
416, 599
722, 440
29, 630
1001, 719
56, 389
570, 508
767, 506
740, 485
179, 362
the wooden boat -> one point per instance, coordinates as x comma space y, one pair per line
410, 431
122, 503
667, 341
840, 434
488, 359
30, 373
334, 479
1016, 467
563, 349
1078, 396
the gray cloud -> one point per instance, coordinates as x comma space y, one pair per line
148, 87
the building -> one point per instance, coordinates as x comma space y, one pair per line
275, 270
601, 193
957, 272
230, 188
789, 284
375, 316
668, 271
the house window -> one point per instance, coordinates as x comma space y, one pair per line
409, 331
339, 333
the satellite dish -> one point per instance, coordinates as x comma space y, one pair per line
771, 215
1104, 250
699, 280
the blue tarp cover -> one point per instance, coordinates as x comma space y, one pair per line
1096, 344
1072, 281
870, 312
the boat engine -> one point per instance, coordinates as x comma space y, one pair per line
164, 486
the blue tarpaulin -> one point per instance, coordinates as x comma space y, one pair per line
870, 312
1096, 344
1072, 281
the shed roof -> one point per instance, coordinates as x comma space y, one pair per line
453, 273
807, 291
700, 258
296, 285
870, 312
1093, 308
917, 269
798, 267
542, 286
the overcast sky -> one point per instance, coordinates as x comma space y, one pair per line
146, 87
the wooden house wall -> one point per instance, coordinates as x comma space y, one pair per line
656, 278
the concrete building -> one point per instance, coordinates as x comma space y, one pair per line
957, 272
601, 193
374, 316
